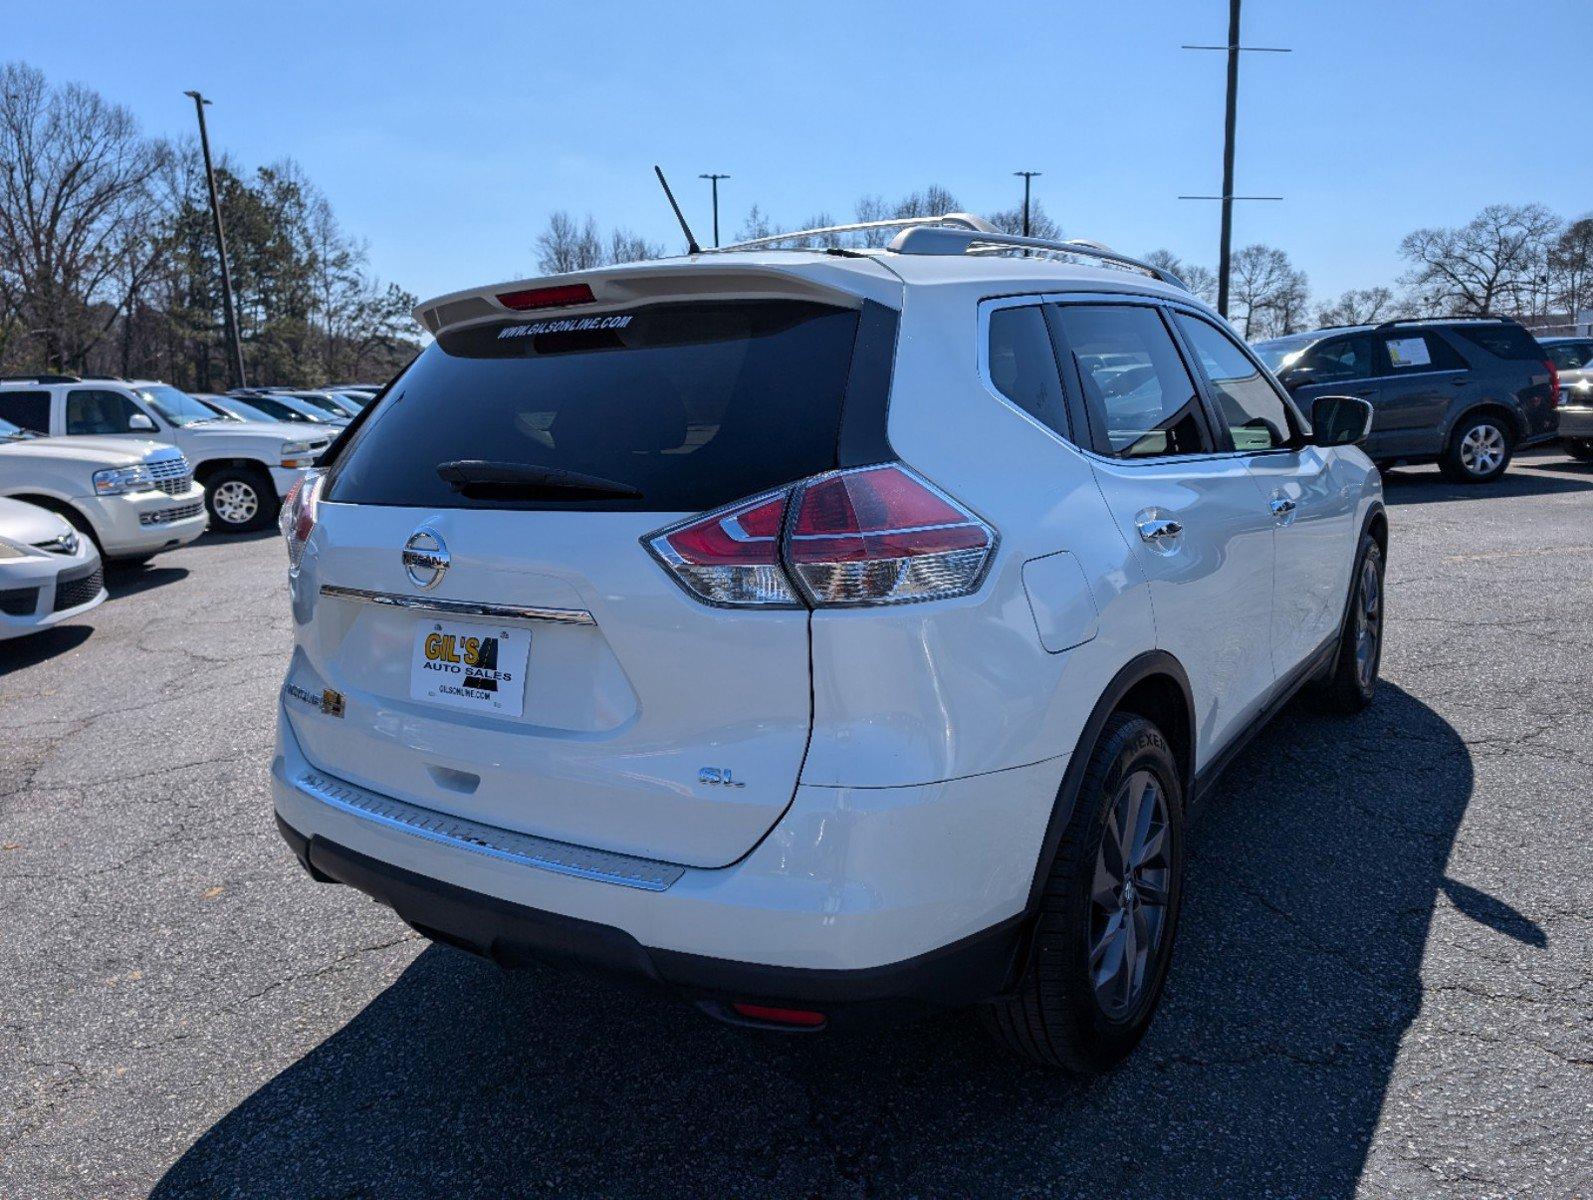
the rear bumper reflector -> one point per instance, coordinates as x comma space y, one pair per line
523, 848
465, 608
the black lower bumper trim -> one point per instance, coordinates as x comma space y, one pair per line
513, 935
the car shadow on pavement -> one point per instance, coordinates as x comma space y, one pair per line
33, 648
129, 579
1313, 877
1415, 486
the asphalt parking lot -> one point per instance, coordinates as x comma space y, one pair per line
1382, 985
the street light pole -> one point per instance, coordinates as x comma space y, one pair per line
714, 179
230, 313
1027, 176
1230, 117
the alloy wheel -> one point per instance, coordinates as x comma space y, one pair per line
1129, 894
1368, 622
1482, 449
235, 502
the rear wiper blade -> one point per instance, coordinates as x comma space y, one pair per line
521, 481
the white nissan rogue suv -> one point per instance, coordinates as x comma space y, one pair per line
819, 633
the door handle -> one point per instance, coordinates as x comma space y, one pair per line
1364, 395
1282, 507
1159, 531
1461, 382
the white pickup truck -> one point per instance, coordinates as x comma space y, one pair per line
245, 467
133, 498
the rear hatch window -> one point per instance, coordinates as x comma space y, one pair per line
1502, 341
683, 406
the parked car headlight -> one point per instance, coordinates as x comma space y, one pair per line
7, 550
298, 454
115, 481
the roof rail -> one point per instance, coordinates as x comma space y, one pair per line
39, 379
944, 239
1445, 320
962, 220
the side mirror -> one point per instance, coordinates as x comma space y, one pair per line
140, 423
1340, 420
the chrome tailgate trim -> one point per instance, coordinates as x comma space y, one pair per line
464, 608
523, 848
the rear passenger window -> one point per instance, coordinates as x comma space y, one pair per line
1023, 365
1502, 341
1409, 351
89, 410
30, 410
1134, 382
1255, 414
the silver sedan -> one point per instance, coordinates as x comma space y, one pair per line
48, 572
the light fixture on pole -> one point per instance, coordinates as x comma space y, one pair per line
714, 179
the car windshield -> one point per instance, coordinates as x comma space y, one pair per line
221, 413
179, 408
1281, 352
278, 410
12, 433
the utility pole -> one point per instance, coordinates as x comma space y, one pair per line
1230, 120
714, 179
1027, 176
230, 313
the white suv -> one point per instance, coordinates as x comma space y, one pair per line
817, 633
132, 498
245, 467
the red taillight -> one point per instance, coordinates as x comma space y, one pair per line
1554, 380
297, 518
547, 297
800, 1018
873, 535
731, 556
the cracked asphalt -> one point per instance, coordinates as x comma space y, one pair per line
1382, 983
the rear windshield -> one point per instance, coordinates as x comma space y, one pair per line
692, 405
1502, 341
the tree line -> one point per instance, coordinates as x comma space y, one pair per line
1522, 261
108, 260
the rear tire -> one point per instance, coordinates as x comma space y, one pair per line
1351, 686
240, 499
1087, 995
1479, 449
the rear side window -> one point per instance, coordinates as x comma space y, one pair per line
29, 410
1501, 341
1256, 415
91, 410
1407, 352
692, 405
1023, 365
1135, 384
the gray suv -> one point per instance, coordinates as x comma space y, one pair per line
1463, 393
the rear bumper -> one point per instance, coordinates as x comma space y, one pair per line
513, 935
1576, 422
856, 895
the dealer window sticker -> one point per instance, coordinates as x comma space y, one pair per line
1409, 352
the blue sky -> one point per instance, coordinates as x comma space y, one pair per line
444, 133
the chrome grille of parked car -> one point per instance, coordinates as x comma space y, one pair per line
166, 516
171, 475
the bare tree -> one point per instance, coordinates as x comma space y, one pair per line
1010, 220
872, 208
1268, 293
567, 246
757, 225
1487, 265
1358, 306
625, 246
1202, 281
76, 208
933, 201
1571, 267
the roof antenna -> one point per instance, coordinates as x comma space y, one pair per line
691, 242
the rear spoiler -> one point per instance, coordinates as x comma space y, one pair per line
844, 282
